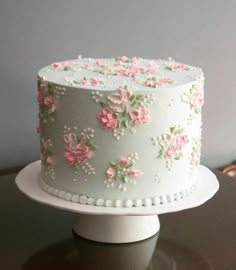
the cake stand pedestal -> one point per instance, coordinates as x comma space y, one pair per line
112, 224
116, 229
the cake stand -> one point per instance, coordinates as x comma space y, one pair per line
112, 224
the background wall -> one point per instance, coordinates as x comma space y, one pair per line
34, 33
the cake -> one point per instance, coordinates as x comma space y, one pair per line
120, 132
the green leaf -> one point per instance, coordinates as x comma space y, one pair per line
124, 113
77, 166
119, 121
134, 103
103, 104
140, 97
93, 147
132, 98
178, 131
172, 129
113, 163
130, 165
124, 178
125, 123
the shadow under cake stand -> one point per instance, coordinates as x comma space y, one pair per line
112, 224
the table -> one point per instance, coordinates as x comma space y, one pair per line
34, 236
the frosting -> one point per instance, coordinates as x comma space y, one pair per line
120, 132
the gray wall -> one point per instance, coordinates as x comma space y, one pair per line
34, 33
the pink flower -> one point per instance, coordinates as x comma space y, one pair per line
118, 100
147, 83
184, 139
123, 162
181, 141
164, 81
134, 173
131, 70
69, 157
123, 59
84, 82
50, 161
44, 144
60, 65
110, 172
139, 116
180, 67
94, 81
171, 152
197, 100
82, 152
124, 72
50, 102
152, 71
107, 119
40, 97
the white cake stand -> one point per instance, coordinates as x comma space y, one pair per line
111, 224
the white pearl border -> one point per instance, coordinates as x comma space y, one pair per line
82, 199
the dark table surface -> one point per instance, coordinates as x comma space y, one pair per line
34, 236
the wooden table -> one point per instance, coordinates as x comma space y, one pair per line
34, 236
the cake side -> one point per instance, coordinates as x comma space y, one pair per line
137, 146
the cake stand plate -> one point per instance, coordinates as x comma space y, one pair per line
112, 224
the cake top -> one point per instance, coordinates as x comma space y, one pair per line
111, 73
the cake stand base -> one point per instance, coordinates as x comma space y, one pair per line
116, 229
116, 224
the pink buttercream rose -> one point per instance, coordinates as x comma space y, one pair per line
80, 153
123, 59
134, 59
94, 81
110, 172
180, 67
123, 162
134, 173
171, 152
130, 71
83, 153
164, 81
40, 97
84, 82
107, 119
181, 141
43, 85
60, 65
139, 116
50, 102
197, 100
69, 157
50, 161
44, 144
118, 100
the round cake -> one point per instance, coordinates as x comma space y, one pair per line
120, 132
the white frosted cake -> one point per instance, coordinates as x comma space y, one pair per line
120, 132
